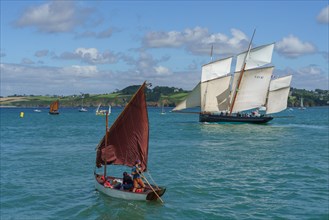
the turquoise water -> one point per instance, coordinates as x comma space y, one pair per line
211, 171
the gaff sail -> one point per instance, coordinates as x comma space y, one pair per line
278, 94
128, 137
54, 106
192, 100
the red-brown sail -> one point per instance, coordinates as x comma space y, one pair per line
54, 106
128, 137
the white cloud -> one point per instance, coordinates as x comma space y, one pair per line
55, 16
81, 71
309, 77
90, 56
292, 47
41, 53
27, 61
323, 17
100, 35
24, 79
312, 71
197, 41
163, 71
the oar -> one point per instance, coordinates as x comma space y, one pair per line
151, 187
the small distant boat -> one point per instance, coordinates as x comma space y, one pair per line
82, 109
126, 141
54, 108
37, 110
302, 104
102, 112
163, 112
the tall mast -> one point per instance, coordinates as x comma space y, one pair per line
241, 73
106, 131
212, 48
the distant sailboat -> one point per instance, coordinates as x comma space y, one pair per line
163, 112
125, 142
54, 108
224, 98
103, 112
302, 104
82, 109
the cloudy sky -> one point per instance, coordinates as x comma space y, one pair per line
68, 47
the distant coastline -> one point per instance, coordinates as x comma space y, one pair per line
158, 96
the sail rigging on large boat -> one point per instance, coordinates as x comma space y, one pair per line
125, 142
222, 97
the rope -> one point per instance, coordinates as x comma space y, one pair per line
149, 174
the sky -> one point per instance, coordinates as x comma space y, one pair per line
96, 47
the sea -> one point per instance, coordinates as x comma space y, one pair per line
279, 170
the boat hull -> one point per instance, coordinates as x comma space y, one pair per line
203, 117
148, 195
54, 113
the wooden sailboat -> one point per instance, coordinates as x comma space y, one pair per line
224, 97
54, 108
125, 142
103, 112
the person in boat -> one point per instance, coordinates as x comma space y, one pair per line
127, 182
136, 172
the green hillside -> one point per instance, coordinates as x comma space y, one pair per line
168, 96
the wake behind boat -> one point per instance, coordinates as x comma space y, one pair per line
125, 142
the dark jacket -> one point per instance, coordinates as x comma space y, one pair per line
127, 180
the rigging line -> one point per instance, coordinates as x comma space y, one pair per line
149, 174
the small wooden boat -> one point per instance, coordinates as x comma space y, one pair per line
103, 112
54, 108
110, 190
125, 142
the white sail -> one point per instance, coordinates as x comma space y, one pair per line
302, 102
214, 94
253, 89
278, 94
216, 69
258, 57
193, 99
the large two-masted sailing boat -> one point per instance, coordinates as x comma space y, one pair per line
224, 97
125, 142
53, 110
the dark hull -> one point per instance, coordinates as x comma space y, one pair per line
54, 113
233, 118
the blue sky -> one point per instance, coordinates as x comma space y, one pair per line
68, 47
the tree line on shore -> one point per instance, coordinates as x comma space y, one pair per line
157, 96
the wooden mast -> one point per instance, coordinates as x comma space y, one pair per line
241, 74
105, 162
